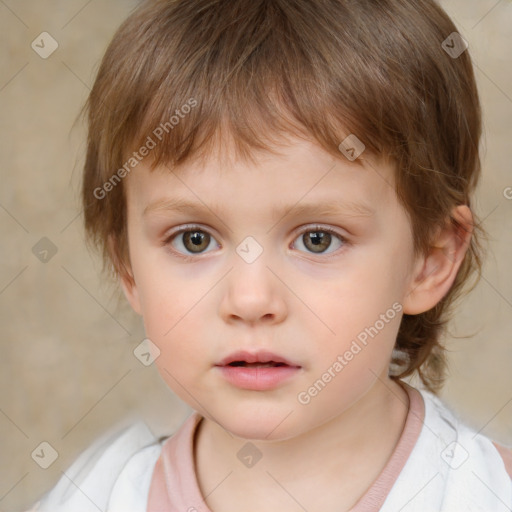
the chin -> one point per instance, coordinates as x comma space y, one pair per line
258, 425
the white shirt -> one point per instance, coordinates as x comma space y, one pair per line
451, 468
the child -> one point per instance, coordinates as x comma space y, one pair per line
283, 188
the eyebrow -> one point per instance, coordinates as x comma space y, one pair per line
323, 208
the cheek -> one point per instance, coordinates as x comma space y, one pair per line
347, 365
170, 321
362, 311
182, 355
161, 294
174, 298
173, 314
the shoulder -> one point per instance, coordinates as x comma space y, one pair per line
506, 455
455, 467
464, 440
111, 461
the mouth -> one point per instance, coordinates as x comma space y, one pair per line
260, 359
270, 364
262, 375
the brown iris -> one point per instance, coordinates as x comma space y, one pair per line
196, 241
317, 239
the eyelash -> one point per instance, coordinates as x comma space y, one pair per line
192, 228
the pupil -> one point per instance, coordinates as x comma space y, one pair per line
195, 240
318, 241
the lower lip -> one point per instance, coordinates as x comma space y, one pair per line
258, 378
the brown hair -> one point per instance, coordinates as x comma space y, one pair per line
257, 69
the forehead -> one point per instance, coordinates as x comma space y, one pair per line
299, 172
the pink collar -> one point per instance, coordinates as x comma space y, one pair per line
174, 483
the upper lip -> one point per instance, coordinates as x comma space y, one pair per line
261, 356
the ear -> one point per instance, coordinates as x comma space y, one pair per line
434, 274
125, 274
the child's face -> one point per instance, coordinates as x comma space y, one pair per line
304, 298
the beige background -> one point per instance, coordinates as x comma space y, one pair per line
67, 371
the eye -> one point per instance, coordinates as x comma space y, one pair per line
190, 240
318, 239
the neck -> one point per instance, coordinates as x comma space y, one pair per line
338, 459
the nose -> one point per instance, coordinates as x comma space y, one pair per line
253, 293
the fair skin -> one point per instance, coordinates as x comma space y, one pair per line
304, 305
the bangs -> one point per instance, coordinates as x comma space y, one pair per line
253, 77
